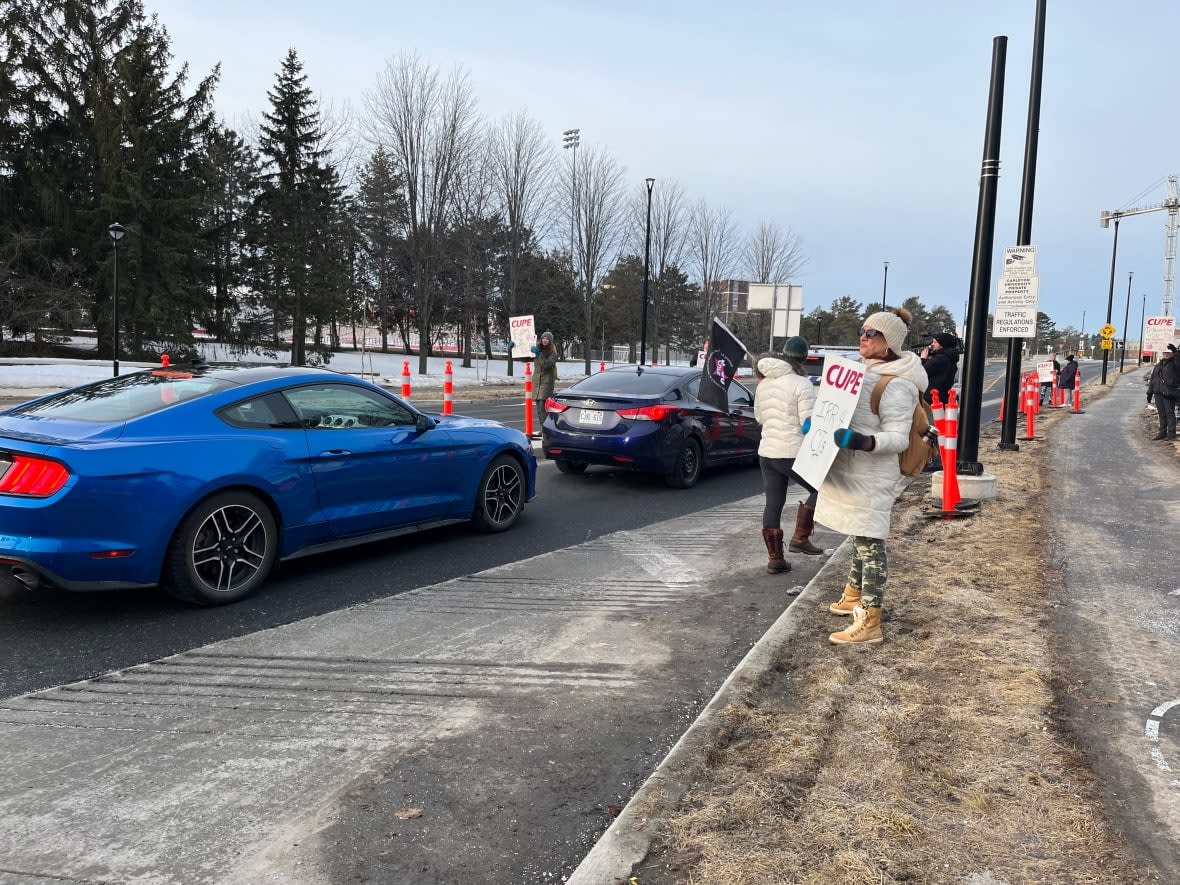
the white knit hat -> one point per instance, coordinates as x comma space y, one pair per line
892, 326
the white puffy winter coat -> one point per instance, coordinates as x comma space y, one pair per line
856, 497
782, 402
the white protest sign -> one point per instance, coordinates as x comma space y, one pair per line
523, 333
1158, 333
1045, 372
839, 389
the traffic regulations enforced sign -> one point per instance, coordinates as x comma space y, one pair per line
1015, 322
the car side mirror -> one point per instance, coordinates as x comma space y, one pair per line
424, 423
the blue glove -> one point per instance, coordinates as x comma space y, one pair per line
536, 350
850, 439
806, 425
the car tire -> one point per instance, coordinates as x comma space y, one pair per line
234, 529
501, 495
575, 468
686, 469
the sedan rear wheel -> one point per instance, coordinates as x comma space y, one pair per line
573, 467
222, 551
686, 470
500, 498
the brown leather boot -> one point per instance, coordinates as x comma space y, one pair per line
775, 561
849, 600
865, 628
804, 526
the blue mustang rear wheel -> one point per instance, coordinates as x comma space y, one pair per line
223, 550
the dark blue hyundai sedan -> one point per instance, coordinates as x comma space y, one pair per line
200, 479
648, 418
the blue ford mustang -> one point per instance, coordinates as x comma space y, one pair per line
200, 479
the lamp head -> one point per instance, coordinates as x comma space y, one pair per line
117, 232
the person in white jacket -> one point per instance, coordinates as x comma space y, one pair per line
856, 497
783, 400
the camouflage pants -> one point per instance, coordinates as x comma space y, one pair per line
870, 569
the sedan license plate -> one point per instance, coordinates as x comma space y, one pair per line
592, 417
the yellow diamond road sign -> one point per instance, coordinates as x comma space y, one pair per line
1107, 331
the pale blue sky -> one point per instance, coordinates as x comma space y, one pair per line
859, 125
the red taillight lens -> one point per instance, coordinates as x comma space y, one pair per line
647, 413
552, 405
33, 477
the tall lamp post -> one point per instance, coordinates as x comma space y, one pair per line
1142, 317
650, 182
117, 232
885, 285
1114, 254
570, 139
1126, 319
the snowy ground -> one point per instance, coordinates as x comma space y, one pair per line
33, 376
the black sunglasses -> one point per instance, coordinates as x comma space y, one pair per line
862, 332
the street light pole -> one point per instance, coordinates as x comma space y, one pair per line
570, 139
1142, 327
650, 182
1126, 319
117, 232
1114, 252
885, 285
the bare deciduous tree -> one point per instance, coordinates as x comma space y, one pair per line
522, 164
597, 210
773, 255
713, 245
428, 125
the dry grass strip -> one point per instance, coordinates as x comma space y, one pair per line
934, 758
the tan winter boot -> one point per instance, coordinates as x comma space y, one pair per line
804, 526
848, 601
865, 627
775, 561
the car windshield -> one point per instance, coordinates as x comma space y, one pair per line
631, 383
124, 397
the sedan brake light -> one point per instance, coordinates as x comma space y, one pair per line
552, 405
33, 477
646, 413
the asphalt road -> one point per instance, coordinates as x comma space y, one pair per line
47, 638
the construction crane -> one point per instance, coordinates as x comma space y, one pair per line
1172, 205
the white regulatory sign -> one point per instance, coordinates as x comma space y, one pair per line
1015, 322
1018, 292
1020, 261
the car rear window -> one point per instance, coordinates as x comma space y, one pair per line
631, 383
124, 397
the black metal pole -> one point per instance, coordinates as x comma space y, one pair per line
981, 269
646, 273
115, 313
1024, 226
885, 285
1126, 319
1142, 327
1114, 254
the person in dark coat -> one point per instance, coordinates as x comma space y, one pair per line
940, 359
1164, 386
1067, 378
544, 373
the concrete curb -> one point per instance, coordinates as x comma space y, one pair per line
628, 839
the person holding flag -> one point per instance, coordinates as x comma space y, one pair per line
723, 356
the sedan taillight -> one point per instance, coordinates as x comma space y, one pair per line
646, 413
552, 405
33, 477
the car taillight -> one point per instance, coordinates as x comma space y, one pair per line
33, 477
646, 413
552, 405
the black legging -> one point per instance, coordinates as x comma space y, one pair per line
776, 476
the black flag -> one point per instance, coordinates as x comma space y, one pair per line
722, 359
